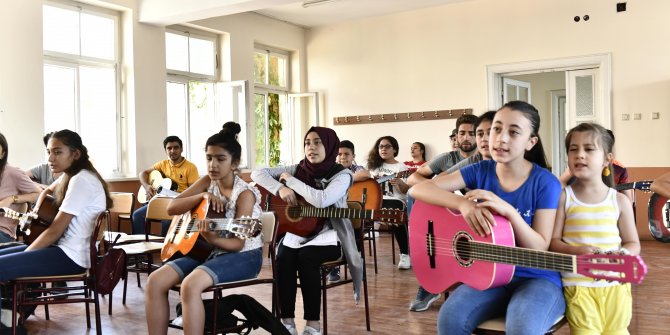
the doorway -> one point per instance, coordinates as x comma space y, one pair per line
565, 91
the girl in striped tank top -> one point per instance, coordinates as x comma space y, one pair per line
593, 218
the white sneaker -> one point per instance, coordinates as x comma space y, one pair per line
405, 262
291, 329
311, 331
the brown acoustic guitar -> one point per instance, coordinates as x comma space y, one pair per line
33, 223
306, 220
372, 191
659, 217
183, 237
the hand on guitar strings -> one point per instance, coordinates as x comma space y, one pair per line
203, 229
215, 203
149, 190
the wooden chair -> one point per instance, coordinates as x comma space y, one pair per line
269, 232
26, 294
497, 326
124, 205
156, 211
328, 266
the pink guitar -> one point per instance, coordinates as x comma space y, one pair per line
445, 251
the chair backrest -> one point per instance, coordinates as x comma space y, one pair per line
101, 223
124, 202
269, 221
157, 209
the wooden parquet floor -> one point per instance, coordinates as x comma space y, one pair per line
390, 292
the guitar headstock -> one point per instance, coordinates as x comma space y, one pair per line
621, 268
390, 216
643, 185
246, 227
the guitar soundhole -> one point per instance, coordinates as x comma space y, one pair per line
293, 213
462, 249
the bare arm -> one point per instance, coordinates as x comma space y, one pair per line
243, 207
627, 230
557, 243
191, 197
422, 174
662, 185
144, 180
361, 175
53, 233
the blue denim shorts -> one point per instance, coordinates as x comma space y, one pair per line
224, 268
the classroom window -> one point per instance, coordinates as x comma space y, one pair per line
270, 96
81, 79
198, 105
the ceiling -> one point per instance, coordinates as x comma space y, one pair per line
166, 12
345, 10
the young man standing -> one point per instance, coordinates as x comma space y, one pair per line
177, 168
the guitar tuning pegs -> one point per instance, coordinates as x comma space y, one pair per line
27, 232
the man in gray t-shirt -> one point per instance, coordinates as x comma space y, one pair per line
467, 147
41, 174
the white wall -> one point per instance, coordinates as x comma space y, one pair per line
21, 93
436, 59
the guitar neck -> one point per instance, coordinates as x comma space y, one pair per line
530, 258
313, 212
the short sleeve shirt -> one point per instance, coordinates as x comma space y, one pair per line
184, 174
541, 190
13, 182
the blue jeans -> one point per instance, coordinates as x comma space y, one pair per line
531, 306
4, 238
140, 215
15, 262
224, 268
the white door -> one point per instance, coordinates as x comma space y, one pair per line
232, 101
515, 90
584, 98
303, 114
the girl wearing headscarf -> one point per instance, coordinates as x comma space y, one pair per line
322, 183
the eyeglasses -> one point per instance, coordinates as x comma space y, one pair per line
387, 146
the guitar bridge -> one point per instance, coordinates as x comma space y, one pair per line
430, 244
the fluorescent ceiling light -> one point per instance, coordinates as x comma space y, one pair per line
310, 3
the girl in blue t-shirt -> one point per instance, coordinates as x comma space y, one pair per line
516, 185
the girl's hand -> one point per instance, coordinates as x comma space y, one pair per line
288, 195
215, 202
203, 229
397, 182
491, 201
478, 218
588, 250
284, 176
6, 201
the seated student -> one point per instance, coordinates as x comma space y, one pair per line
425, 299
661, 185
619, 174
41, 174
232, 259
418, 152
322, 183
516, 185
593, 218
81, 193
346, 157
177, 168
15, 189
382, 162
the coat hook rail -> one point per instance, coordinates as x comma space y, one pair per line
401, 117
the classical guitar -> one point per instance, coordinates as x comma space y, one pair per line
372, 191
401, 174
642, 185
446, 251
659, 218
163, 185
33, 223
306, 220
183, 237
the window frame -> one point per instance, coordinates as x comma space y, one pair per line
198, 34
56, 58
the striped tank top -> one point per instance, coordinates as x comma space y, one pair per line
591, 224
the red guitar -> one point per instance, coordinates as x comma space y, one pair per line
306, 220
659, 215
183, 236
445, 251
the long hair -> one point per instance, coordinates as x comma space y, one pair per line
3, 160
73, 141
602, 138
422, 147
374, 160
226, 138
536, 153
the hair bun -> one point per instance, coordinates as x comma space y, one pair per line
230, 128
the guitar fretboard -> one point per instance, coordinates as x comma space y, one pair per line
517, 256
313, 212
